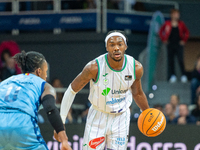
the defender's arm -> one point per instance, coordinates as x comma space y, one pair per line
48, 102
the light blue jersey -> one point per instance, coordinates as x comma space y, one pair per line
19, 103
22, 92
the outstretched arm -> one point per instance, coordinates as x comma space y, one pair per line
89, 72
137, 92
48, 102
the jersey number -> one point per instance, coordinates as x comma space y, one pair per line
14, 96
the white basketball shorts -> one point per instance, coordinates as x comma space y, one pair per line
103, 129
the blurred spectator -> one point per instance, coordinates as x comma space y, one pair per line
174, 100
174, 33
5, 55
56, 83
169, 112
195, 82
89, 4
184, 117
159, 107
9, 69
8, 49
196, 112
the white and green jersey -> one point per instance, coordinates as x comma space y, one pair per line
111, 92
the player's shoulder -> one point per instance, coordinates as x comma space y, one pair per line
138, 69
48, 86
129, 57
48, 89
138, 65
94, 64
101, 57
12, 78
90, 70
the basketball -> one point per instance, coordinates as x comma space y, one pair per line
151, 122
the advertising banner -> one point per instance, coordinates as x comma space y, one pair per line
48, 21
128, 21
175, 137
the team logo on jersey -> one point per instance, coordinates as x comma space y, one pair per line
120, 141
128, 77
96, 142
105, 81
119, 91
105, 74
105, 91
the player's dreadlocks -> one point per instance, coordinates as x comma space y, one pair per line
29, 61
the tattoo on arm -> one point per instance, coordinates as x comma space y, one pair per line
84, 77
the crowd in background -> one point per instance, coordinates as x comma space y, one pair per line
180, 113
72, 4
173, 33
48, 5
8, 67
175, 112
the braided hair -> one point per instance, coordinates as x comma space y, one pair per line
30, 61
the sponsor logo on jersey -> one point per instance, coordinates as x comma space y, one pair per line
105, 82
105, 91
105, 74
128, 77
119, 91
96, 142
115, 100
155, 128
120, 141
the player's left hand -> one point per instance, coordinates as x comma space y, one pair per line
56, 136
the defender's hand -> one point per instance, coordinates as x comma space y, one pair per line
65, 146
56, 136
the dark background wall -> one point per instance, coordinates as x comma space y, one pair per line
190, 15
69, 52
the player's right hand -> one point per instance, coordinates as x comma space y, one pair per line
65, 146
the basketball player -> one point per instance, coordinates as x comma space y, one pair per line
20, 98
115, 79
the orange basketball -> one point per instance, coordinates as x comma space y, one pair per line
151, 122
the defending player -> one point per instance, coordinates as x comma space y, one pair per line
20, 98
115, 78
